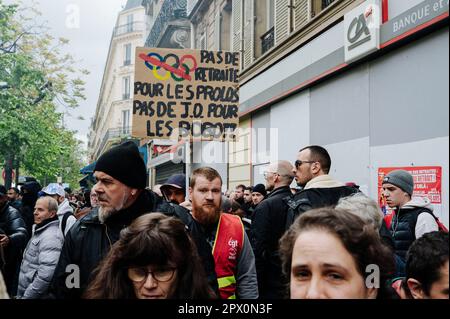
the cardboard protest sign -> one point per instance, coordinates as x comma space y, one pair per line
185, 93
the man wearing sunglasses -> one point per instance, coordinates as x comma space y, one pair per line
311, 171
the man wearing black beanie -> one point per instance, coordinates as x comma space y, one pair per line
121, 176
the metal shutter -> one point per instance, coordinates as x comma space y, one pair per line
164, 171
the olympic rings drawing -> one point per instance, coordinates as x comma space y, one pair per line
171, 64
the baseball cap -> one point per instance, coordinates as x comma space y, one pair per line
54, 189
177, 181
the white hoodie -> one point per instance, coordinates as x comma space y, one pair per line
63, 208
425, 222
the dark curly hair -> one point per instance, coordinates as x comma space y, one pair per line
425, 258
360, 240
152, 239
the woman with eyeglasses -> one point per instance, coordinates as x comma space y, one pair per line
154, 258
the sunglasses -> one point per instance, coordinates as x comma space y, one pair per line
299, 163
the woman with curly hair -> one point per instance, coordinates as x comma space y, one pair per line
334, 254
154, 258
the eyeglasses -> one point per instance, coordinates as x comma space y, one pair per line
299, 163
266, 174
140, 274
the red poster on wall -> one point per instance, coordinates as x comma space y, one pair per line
427, 183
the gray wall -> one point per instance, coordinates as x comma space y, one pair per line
389, 112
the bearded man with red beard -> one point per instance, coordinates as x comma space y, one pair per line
231, 248
121, 180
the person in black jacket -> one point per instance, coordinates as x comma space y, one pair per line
311, 171
268, 227
121, 176
29, 192
12, 241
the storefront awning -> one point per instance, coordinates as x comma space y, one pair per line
88, 169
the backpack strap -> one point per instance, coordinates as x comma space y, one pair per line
64, 222
296, 207
417, 212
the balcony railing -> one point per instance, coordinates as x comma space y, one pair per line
129, 28
117, 133
268, 40
171, 10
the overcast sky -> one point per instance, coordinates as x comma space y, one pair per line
89, 36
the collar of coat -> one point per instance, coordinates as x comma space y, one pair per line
45, 223
323, 181
143, 204
279, 190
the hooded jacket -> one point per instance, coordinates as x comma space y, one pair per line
412, 221
65, 208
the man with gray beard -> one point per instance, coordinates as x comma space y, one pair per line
121, 180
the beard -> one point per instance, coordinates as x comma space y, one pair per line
105, 212
206, 215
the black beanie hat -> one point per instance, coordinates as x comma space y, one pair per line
125, 164
260, 188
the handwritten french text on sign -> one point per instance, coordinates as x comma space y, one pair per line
185, 93
427, 181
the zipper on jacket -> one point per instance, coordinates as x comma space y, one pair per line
107, 236
398, 221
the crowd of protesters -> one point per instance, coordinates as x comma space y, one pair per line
322, 239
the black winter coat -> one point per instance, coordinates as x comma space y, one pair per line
403, 229
268, 227
313, 198
14, 227
89, 241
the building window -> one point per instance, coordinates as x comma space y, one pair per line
203, 42
126, 122
127, 59
130, 21
268, 40
126, 88
318, 6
